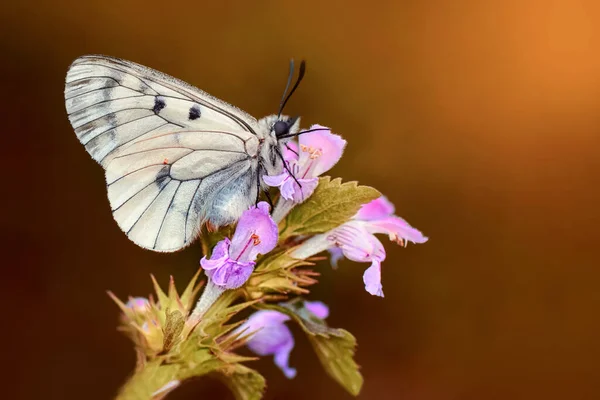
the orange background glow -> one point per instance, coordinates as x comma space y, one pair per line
480, 120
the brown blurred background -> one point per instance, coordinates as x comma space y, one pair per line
478, 119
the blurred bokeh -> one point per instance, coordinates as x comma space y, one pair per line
480, 120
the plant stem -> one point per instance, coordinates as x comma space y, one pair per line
311, 247
210, 294
282, 208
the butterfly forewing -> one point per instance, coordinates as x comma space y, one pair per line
174, 156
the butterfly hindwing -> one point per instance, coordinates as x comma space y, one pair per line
174, 156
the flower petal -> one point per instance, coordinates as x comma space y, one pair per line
276, 180
289, 188
256, 233
318, 308
319, 151
138, 304
219, 256
263, 318
290, 153
231, 274
372, 279
336, 255
396, 228
271, 337
356, 243
302, 194
282, 357
376, 209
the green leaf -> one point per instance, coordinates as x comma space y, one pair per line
168, 355
331, 204
278, 272
144, 383
336, 355
334, 347
173, 328
245, 383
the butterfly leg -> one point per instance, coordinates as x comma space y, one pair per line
265, 191
287, 168
292, 150
257, 186
269, 199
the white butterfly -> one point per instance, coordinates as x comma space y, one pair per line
175, 157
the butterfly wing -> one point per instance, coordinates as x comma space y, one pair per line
163, 188
174, 156
112, 103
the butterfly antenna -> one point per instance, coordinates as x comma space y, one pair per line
301, 73
287, 86
302, 133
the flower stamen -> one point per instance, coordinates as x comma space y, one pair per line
246, 246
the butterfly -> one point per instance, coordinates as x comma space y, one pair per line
175, 157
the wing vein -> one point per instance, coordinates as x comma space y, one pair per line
123, 144
178, 147
108, 101
187, 214
108, 113
148, 206
117, 126
187, 96
165, 216
121, 71
133, 172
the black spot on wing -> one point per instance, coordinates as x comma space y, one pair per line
194, 112
162, 176
159, 104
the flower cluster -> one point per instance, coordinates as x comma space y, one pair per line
270, 335
266, 261
317, 152
232, 261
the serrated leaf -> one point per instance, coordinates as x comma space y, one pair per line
336, 355
331, 204
335, 348
245, 383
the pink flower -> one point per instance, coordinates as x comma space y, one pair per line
356, 239
270, 335
318, 308
232, 261
317, 152
138, 304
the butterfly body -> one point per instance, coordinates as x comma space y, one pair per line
175, 157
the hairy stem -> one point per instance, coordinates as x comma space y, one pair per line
282, 209
210, 294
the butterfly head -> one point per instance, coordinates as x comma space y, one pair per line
285, 126
274, 133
